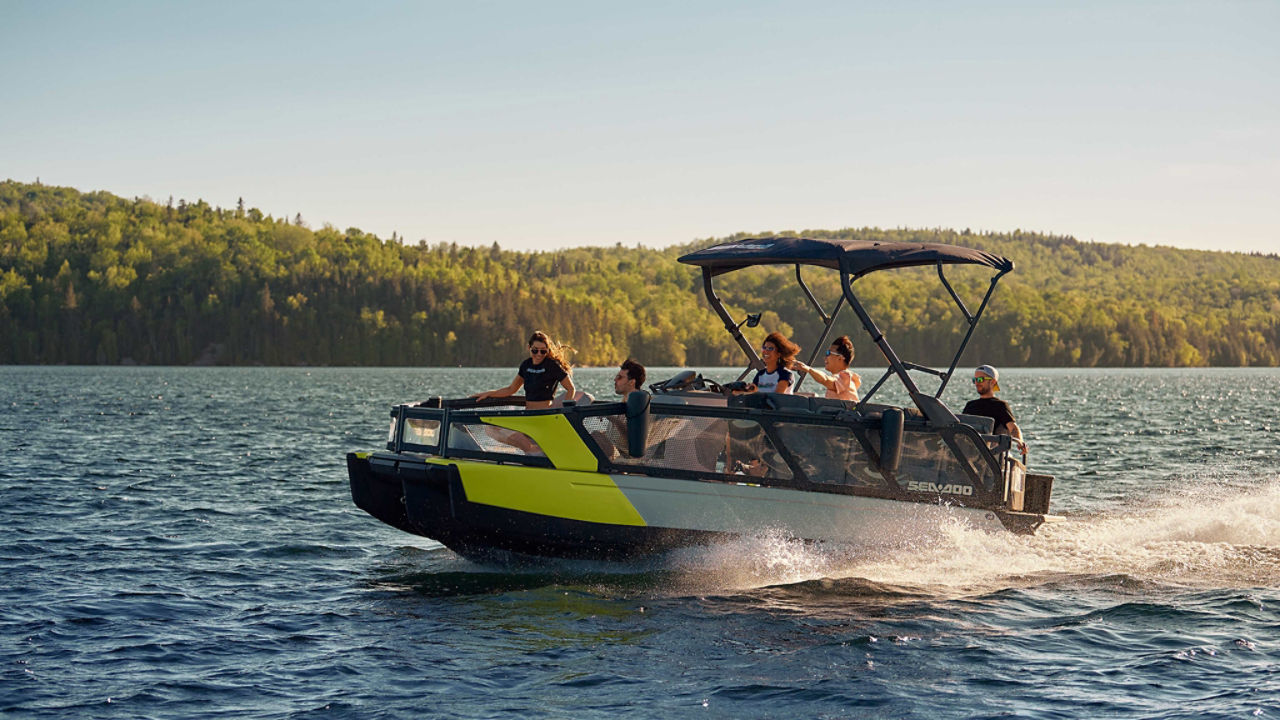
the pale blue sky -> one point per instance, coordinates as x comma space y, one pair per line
553, 124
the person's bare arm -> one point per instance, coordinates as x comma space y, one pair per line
507, 391
820, 377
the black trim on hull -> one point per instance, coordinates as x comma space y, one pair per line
1020, 523
379, 494
430, 501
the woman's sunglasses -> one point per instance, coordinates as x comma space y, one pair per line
539, 351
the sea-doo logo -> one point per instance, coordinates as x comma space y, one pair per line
948, 489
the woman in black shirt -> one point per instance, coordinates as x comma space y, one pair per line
538, 374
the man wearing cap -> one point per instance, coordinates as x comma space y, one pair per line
986, 380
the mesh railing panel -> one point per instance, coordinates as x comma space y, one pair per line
928, 462
974, 455
830, 455
694, 444
479, 437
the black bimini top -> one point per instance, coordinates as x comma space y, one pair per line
855, 257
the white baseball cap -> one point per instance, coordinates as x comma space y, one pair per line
989, 372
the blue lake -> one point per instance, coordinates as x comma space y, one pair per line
181, 543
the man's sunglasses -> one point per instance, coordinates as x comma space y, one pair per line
981, 380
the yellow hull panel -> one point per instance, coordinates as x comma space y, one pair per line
555, 435
585, 496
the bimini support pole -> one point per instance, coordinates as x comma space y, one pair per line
730, 325
828, 321
971, 319
933, 409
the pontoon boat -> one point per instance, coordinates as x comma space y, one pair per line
689, 462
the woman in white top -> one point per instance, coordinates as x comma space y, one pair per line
778, 354
842, 383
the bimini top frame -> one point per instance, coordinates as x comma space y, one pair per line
853, 259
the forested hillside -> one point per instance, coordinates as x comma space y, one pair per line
93, 278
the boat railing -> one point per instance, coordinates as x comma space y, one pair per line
800, 443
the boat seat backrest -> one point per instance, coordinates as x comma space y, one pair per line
747, 400
581, 397
695, 398
874, 408
823, 406
984, 425
830, 405
784, 401
772, 401
790, 403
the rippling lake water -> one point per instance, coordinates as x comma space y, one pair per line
181, 543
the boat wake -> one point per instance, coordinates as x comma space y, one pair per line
1218, 537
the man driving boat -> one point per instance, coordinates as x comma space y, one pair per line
986, 380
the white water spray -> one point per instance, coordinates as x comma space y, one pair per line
1219, 537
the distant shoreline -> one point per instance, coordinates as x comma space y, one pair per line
94, 279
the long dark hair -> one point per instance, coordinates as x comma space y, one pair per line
786, 349
555, 351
